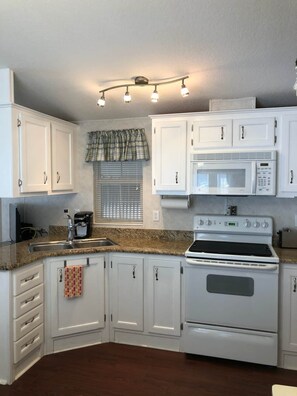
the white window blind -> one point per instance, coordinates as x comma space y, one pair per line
118, 192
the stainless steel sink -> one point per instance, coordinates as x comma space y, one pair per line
76, 244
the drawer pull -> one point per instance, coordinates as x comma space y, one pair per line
157, 274
29, 321
30, 342
29, 278
294, 285
29, 300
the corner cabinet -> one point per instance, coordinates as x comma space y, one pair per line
145, 295
36, 153
288, 316
78, 321
170, 162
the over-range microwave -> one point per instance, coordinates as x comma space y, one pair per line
234, 173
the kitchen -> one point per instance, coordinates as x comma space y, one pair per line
281, 209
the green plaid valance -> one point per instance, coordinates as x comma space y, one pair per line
117, 145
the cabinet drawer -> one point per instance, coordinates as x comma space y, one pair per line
27, 301
28, 343
27, 322
26, 279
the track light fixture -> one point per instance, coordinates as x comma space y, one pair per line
141, 81
295, 85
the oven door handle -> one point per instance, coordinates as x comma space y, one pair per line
262, 267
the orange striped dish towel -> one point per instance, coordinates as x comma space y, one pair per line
73, 279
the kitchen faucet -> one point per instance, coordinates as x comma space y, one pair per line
70, 229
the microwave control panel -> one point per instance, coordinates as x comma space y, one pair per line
265, 178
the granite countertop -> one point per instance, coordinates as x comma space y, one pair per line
128, 241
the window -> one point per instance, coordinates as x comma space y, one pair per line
118, 192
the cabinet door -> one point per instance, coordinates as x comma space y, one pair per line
62, 157
127, 292
163, 291
289, 309
170, 157
288, 158
78, 314
34, 135
253, 132
212, 134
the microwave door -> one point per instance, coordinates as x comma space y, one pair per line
221, 178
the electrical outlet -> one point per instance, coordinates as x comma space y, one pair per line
66, 212
156, 215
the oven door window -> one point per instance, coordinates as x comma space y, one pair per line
233, 285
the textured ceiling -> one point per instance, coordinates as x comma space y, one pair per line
64, 51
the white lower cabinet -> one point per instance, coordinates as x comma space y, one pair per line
77, 321
145, 300
288, 316
22, 324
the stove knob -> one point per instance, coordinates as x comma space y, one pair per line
201, 222
208, 222
265, 224
256, 224
247, 224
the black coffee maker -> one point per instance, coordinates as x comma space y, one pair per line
83, 224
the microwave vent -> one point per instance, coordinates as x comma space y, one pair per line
221, 156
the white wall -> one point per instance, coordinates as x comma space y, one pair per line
48, 210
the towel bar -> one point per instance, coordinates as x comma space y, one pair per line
88, 263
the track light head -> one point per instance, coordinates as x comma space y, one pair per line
155, 95
101, 101
127, 96
184, 90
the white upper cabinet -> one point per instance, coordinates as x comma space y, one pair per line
169, 157
288, 157
213, 132
62, 157
31, 161
34, 141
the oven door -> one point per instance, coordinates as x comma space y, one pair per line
224, 178
230, 295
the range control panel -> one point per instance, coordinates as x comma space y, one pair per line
233, 224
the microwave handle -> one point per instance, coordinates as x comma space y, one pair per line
254, 177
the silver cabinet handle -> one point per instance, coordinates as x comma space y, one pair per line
157, 274
222, 133
291, 176
60, 275
242, 132
294, 285
29, 278
44, 177
176, 177
29, 300
134, 272
58, 177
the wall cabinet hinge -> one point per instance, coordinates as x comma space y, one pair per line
111, 317
181, 270
275, 139
154, 182
19, 122
104, 317
275, 123
20, 182
104, 264
192, 127
181, 326
154, 130
111, 264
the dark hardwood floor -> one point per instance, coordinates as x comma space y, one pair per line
114, 369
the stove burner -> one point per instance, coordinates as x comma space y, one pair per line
235, 248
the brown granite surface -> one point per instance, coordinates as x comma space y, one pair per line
128, 241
